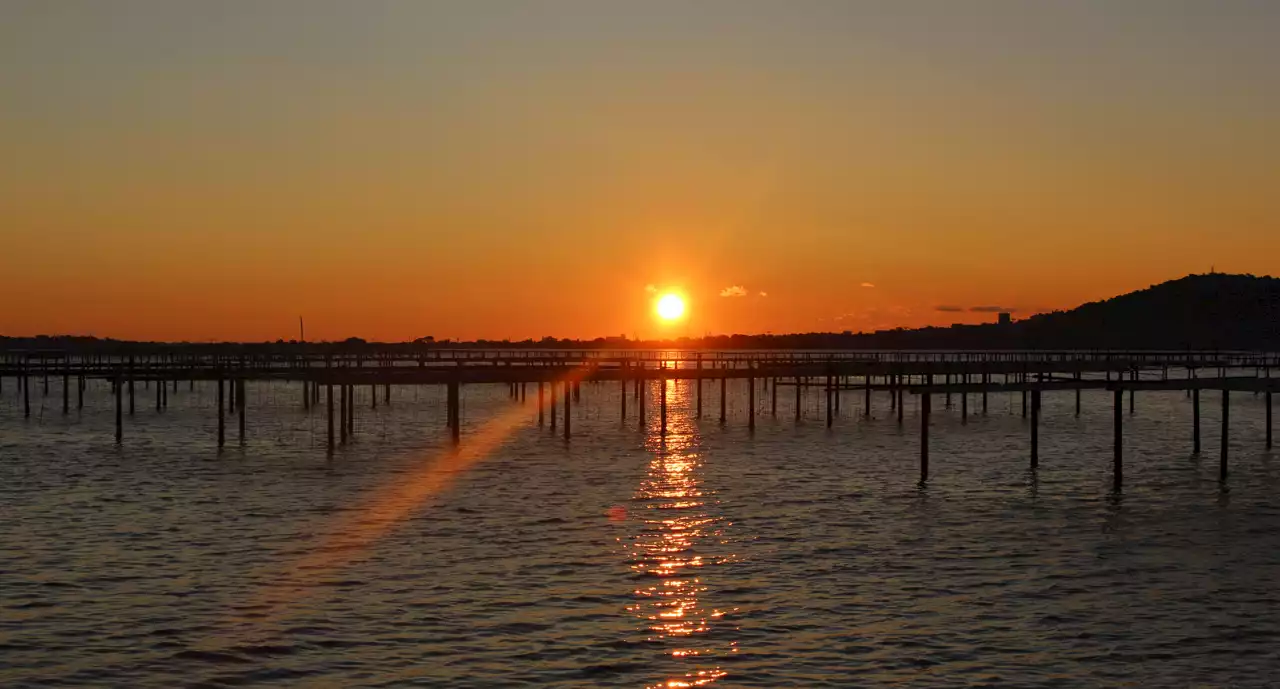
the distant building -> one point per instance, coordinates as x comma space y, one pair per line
1005, 318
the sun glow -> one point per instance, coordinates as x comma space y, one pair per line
670, 307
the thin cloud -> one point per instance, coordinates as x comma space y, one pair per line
764, 294
868, 285
991, 309
949, 309
734, 291
651, 289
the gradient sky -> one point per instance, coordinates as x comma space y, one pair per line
520, 168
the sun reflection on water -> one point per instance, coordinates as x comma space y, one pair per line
675, 547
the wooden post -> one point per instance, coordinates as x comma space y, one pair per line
119, 386
455, 404
964, 408
131, 407
568, 419
1117, 464
1226, 425
836, 392
925, 401
893, 391
553, 406
866, 402
698, 411
577, 395
306, 395
722, 399
351, 412
541, 393
1035, 428
1195, 420
231, 396
1268, 398
329, 394
948, 381
897, 393
386, 394
240, 404
222, 418
641, 383
80, 392
773, 402
622, 379
373, 395
751, 403
342, 414
986, 380
66, 387
159, 394
662, 394
1133, 375
798, 389
829, 419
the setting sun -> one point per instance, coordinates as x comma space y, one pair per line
670, 307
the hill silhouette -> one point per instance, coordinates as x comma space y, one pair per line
1206, 312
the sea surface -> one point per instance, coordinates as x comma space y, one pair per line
794, 555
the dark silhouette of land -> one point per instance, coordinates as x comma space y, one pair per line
1215, 311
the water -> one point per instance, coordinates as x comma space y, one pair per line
796, 556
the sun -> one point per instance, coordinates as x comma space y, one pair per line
670, 307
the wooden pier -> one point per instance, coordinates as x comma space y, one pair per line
560, 373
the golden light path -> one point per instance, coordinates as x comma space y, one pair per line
677, 524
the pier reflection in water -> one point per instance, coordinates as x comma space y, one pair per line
679, 540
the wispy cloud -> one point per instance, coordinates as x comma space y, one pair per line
651, 289
868, 285
949, 309
992, 309
734, 291
764, 294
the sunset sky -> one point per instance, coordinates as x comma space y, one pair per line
521, 168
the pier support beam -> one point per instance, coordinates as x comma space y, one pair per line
1268, 421
964, 408
1117, 462
552, 407
541, 395
1195, 421
662, 404
723, 397
866, 394
1035, 429
773, 402
624, 397
698, 411
751, 404
240, 404
798, 402
454, 393
925, 402
66, 388
119, 386
342, 414
222, 417
829, 406
329, 393
1226, 436
568, 410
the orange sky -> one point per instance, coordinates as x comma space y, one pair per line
393, 170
